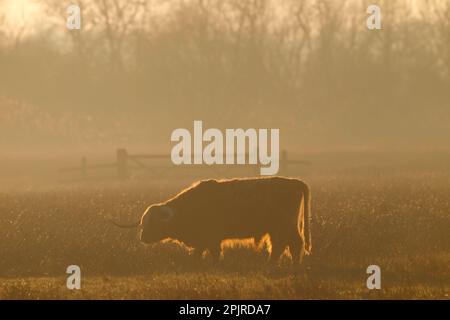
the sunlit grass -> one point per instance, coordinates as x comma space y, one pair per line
397, 221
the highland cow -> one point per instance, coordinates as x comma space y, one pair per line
210, 211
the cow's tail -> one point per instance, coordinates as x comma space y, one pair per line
307, 218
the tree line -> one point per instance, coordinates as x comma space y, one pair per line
310, 68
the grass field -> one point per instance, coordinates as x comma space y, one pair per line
397, 219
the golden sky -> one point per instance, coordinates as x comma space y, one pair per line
18, 13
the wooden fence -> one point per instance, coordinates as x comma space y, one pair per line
126, 163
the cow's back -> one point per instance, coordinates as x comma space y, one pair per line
239, 208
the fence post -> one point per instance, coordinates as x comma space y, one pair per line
83, 168
122, 164
284, 163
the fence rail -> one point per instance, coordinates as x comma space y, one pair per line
125, 163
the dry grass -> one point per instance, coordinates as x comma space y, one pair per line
399, 221
211, 285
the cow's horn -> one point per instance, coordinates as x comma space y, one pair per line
126, 226
167, 213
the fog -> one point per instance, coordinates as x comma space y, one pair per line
137, 70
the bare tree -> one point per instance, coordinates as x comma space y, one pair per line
12, 35
439, 13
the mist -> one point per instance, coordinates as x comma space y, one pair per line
137, 70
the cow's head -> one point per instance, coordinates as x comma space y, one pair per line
155, 223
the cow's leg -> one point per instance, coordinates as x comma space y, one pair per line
215, 252
278, 246
198, 253
297, 248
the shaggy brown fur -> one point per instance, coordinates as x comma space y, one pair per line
210, 211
